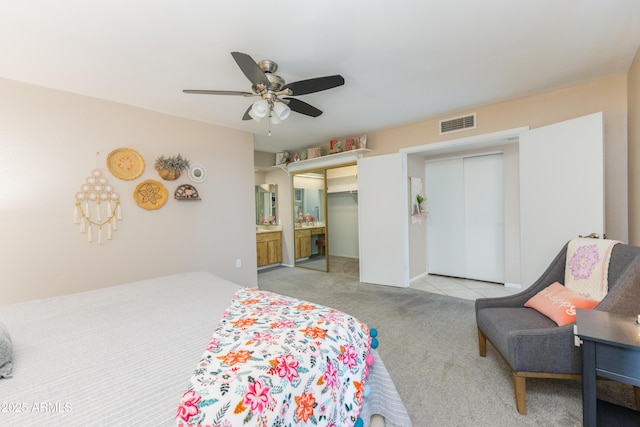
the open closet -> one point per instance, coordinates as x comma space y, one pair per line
342, 208
325, 216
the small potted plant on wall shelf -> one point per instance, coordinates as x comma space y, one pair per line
170, 168
420, 199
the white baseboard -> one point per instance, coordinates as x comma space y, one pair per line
512, 285
264, 267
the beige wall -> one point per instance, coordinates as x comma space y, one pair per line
633, 100
607, 95
264, 160
48, 145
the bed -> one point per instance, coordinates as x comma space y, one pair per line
127, 354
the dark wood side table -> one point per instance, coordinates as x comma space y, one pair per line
610, 349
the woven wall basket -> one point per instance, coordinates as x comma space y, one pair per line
125, 163
169, 174
150, 194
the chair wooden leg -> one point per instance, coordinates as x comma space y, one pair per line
519, 387
482, 344
636, 395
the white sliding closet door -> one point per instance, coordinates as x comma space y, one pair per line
444, 188
466, 221
484, 217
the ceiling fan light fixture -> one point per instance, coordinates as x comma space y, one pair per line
274, 119
281, 110
254, 116
260, 108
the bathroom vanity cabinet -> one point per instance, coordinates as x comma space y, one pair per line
303, 243
269, 248
304, 238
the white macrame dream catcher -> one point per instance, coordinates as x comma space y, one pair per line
88, 213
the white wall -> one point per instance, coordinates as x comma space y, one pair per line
342, 208
343, 224
48, 145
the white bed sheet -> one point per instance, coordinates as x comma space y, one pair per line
121, 355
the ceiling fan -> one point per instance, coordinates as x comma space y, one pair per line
275, 96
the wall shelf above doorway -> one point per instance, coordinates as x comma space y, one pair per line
329, 160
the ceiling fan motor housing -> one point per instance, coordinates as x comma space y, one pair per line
276, 82
268, 66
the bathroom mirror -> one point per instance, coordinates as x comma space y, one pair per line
309, 220
266, 204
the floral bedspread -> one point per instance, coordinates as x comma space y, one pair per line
278, 361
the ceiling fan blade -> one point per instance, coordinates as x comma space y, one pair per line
217, 92
302, 107
250, 68
318, 84
246, 114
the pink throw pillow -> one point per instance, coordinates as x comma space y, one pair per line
559, 303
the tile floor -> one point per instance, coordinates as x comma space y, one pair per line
461, 288
455, 287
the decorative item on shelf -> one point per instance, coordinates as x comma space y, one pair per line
197, 173
417, 200
125, 163
420, 199
350, 144
314, 152
362, 141
170, 168
281, 158
335, 146
186, 192
150, 194
97, 190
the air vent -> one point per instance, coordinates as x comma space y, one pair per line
458, 123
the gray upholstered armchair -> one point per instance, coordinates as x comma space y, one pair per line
532, 344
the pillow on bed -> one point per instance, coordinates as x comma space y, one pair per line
6, 352
559, 303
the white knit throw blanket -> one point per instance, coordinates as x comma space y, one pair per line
587, 267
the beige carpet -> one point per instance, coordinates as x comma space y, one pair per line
429, 345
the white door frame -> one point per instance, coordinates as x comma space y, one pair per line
486, 140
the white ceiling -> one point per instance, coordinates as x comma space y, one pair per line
403, 61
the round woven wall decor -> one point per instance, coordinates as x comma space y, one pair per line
150, 194
125, 163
